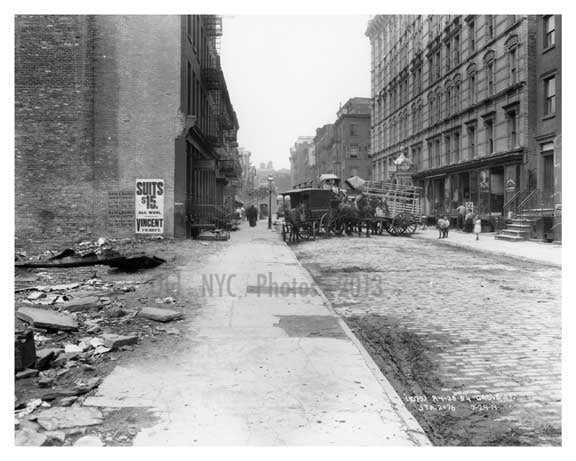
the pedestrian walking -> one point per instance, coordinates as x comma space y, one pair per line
461, 210
477, 226
243, 213
252, 215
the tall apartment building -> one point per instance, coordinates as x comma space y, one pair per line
461, 97
101, 101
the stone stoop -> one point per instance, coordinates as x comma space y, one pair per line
517, 230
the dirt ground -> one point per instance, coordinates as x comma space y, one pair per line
120, 294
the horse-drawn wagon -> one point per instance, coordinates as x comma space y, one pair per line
373, 206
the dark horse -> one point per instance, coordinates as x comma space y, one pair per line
296, 219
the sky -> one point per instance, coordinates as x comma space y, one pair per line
288, 75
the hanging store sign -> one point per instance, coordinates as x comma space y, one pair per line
149, 206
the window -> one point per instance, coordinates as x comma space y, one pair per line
490, 26
549, 31
448, 100
353, 129
354, 151
472, 36
456, 94
456, 50
429, 162
456, 147
471, 131
430, 70
431, 110
448, 57
437, 152
490, 77
550, 96
447, 148
513, 139
489, 128
437, 64
472, 86
513, 65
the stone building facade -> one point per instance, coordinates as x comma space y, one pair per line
101, 101
456, 94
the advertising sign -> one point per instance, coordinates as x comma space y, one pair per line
149, 206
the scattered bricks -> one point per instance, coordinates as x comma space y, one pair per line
116, 312
27, 373
65, 417
44, 318
24, 350
113, 341
82, 304
160, 315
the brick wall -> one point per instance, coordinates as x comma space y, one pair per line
54, 128
96, 106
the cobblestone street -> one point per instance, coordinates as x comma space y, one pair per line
470, 341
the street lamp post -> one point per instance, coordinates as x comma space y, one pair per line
270, 179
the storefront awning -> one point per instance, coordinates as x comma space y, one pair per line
514, 156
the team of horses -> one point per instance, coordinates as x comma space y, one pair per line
349, 217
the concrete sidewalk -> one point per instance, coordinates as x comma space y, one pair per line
260, 369
547, 253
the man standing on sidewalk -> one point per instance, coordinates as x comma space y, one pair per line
460, 218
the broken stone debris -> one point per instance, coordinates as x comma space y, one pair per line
67, 417
24, 350
27, 373
159, 315
82, 304
113, 341
89, 441
45, 356
27, 437
44, 318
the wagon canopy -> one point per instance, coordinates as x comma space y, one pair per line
317, 200
355, 182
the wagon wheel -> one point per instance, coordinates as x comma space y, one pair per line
404, 223
327, 224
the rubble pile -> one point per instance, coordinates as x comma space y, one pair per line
71, 326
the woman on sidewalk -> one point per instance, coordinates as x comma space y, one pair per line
477, 226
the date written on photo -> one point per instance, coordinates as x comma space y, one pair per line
476, 402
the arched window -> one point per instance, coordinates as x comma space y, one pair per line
456, 86
472, 91
448, 98
489, 63
512, 47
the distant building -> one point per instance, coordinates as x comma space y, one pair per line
300, 171
473, 101
352, 140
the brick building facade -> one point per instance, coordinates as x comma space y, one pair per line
457, 95
101, 101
